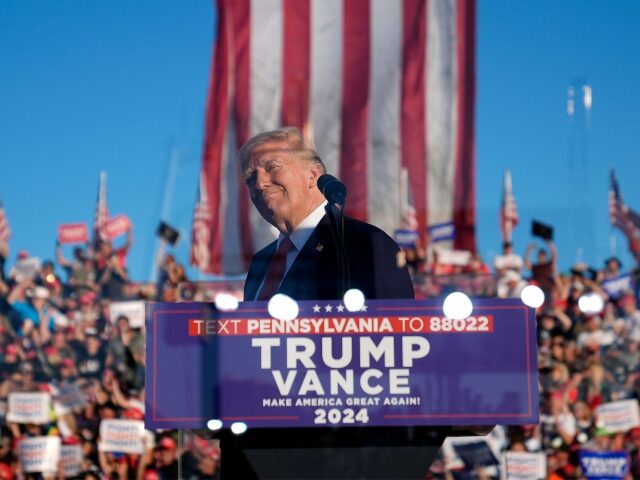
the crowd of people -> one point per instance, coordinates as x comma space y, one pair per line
59, 330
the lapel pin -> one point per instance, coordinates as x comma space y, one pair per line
319, 247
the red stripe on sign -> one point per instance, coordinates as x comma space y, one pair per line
196, 328
413, 116
296, 65
464, 184
355, 98
215, 129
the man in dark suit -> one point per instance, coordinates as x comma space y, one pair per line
281, 170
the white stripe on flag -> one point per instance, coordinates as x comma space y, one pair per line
326, 80
383, 170
441, 108
266, 91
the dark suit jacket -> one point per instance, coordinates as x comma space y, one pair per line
314, 275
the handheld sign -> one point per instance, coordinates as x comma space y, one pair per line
604, 466
29, 407
73, 233
619, 416
526, 466
123, 436
117, 225
168, 233
71, 457
395, 363
133, 310
39, 454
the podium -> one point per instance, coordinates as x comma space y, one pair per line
333, 394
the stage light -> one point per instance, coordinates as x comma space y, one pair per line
226, 302
283, 307
238, 428
214, 424
591, 303
532, 296
457, 306
353, 300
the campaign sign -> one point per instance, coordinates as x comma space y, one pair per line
133, 310
29, 407
526, 466
73, 233
441, 232
39, 454
406, 238
395, 362
616, 286
121, 436
619, 416
117, 225
68, 397
604, 466
475, 454
71, 456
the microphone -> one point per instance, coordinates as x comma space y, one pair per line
333, 189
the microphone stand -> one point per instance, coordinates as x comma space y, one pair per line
335, 212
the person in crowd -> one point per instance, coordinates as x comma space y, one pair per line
544, 271
105, 250
508, 260
81, 271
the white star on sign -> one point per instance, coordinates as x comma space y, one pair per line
340, 308
316, 308
364, 308
328, 308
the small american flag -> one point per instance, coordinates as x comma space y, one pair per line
101, 216
5, 231
508, 210
622, 217
200, 237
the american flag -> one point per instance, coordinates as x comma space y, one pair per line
378, 84
508, 210
5, 231
101, 216
200, 238
622, 217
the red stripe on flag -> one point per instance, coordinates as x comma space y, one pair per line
215, 130
413, 116
464, 183
241, 12
355, 109
296, 65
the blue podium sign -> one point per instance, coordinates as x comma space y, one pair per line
393, 363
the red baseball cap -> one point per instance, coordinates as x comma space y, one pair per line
5, 472
135, 414
151, 475
168, 443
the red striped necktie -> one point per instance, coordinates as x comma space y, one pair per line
276, 268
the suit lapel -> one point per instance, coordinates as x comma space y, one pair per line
258, 271
315, 250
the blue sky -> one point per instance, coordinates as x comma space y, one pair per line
121, 87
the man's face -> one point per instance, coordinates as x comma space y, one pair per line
281, 184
